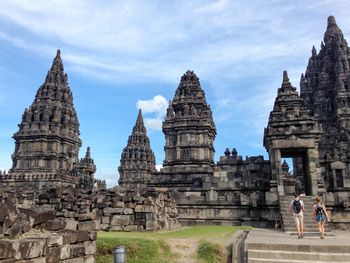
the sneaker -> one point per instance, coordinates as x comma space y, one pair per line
299, 237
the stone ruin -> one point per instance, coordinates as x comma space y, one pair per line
47, 178
48, 143
59, 225
313, 129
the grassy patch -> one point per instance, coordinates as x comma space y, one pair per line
198, 232
153, 247
209, 252
138, 250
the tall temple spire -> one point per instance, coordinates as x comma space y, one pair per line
189, 131
137, 160
325, 90
48, 136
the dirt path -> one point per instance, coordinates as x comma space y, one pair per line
184, 249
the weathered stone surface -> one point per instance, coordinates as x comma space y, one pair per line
55, 224
6, 250
88, 226
11, 260
69, 236
128, 211
145, 209
38, 215
65, 251
74, 260
30, 248
90, 247
71, 224
86, 217
112, 211
54, 240
53, 254
77, 250
120, 220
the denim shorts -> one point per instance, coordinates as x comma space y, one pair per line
320, 218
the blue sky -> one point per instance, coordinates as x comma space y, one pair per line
121, 55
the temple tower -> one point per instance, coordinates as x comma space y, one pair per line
137, 159
189, 133
325, 89
292, 133
48, 136
85, 171
47, 143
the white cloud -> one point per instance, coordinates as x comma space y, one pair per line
153, 124
157, 107
159, 41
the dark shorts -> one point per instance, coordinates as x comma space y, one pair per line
320, 218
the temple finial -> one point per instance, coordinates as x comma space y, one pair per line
88, 153
313, 52
331, 22
139, 125
285, 77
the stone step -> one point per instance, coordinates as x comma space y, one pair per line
306, 224
300, 248
260, 260
297, 255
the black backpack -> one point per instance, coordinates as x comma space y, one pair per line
297, 206
319, 210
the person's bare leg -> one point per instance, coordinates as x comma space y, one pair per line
322, 228
302, 227
298, 226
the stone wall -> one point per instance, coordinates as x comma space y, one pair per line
114, 209
59, 225
37, 235
226, 207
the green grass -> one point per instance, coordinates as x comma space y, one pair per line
189, 232
153, 247
138, 250
209, 252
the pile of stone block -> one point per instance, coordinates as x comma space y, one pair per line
37, 235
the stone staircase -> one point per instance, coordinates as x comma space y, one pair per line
282, 248
310, 226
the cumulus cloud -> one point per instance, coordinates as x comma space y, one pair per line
157, 107
153, 124
133, 40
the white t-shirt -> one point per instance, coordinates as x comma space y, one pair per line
301, 204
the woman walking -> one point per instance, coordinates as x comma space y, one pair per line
320, 213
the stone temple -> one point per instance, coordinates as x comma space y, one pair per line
48, 143
312, 128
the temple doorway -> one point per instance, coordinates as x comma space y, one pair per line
295, 172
